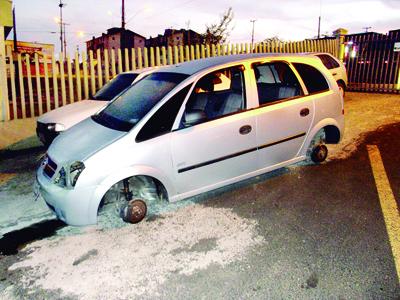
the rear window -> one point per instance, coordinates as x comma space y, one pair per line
115, 86
328, 61
313, 79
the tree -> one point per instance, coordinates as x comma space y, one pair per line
218, 33
273, 39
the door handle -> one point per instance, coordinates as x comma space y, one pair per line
304, 112
334, 74
245, 129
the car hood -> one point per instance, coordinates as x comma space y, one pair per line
73, 113
82, 141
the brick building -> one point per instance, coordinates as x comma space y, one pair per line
174, 37
116, 38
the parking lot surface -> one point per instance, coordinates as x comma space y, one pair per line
302, 232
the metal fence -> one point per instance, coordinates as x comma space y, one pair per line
37, 84
372, 61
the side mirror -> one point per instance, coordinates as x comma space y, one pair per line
194, 117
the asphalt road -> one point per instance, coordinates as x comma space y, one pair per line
323, 227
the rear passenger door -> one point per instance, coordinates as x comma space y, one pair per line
284, 115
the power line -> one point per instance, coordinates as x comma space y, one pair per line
172, 8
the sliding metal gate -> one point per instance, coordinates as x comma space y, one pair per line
372, 61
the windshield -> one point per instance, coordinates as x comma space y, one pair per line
115, 86
129, 108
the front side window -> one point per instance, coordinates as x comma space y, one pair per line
128, 109
218, 94
275, 82
163, 119
115, 86
313, 79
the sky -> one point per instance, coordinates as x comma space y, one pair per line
288, 19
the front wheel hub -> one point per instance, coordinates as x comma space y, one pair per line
319, 153
134, 211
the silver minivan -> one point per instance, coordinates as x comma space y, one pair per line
191, 128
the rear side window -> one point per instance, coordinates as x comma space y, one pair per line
313, 79
328, 61
162, 120
276, 81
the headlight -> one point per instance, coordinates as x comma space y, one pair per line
61, 179
55, 127
43, 160
74, 171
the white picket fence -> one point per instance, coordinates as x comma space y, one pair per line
37, 84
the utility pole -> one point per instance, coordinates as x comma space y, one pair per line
319, 19
65, 40
123, 15
16, 77
319, 26
14, 30
61, 5
252, 35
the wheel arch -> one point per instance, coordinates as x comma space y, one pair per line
116, 177
332, 130
341, 82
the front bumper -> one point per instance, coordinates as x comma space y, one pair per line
70, 205
44, 134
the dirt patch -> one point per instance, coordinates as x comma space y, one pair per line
135, 260
364, 113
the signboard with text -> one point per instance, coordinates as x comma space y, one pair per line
396, 47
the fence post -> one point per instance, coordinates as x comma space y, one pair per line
30, 89
187, 52
176, 55
139, 58
78, 77
170, 62
192, 57
133, 58
38, 84
13, 79
152, 63
106, 66
145, 57
181, 54
55, 82
126, 56
99, 69
341, 47
92, 74
158, 61
164, 56
398, 81
4, 108
70, 81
